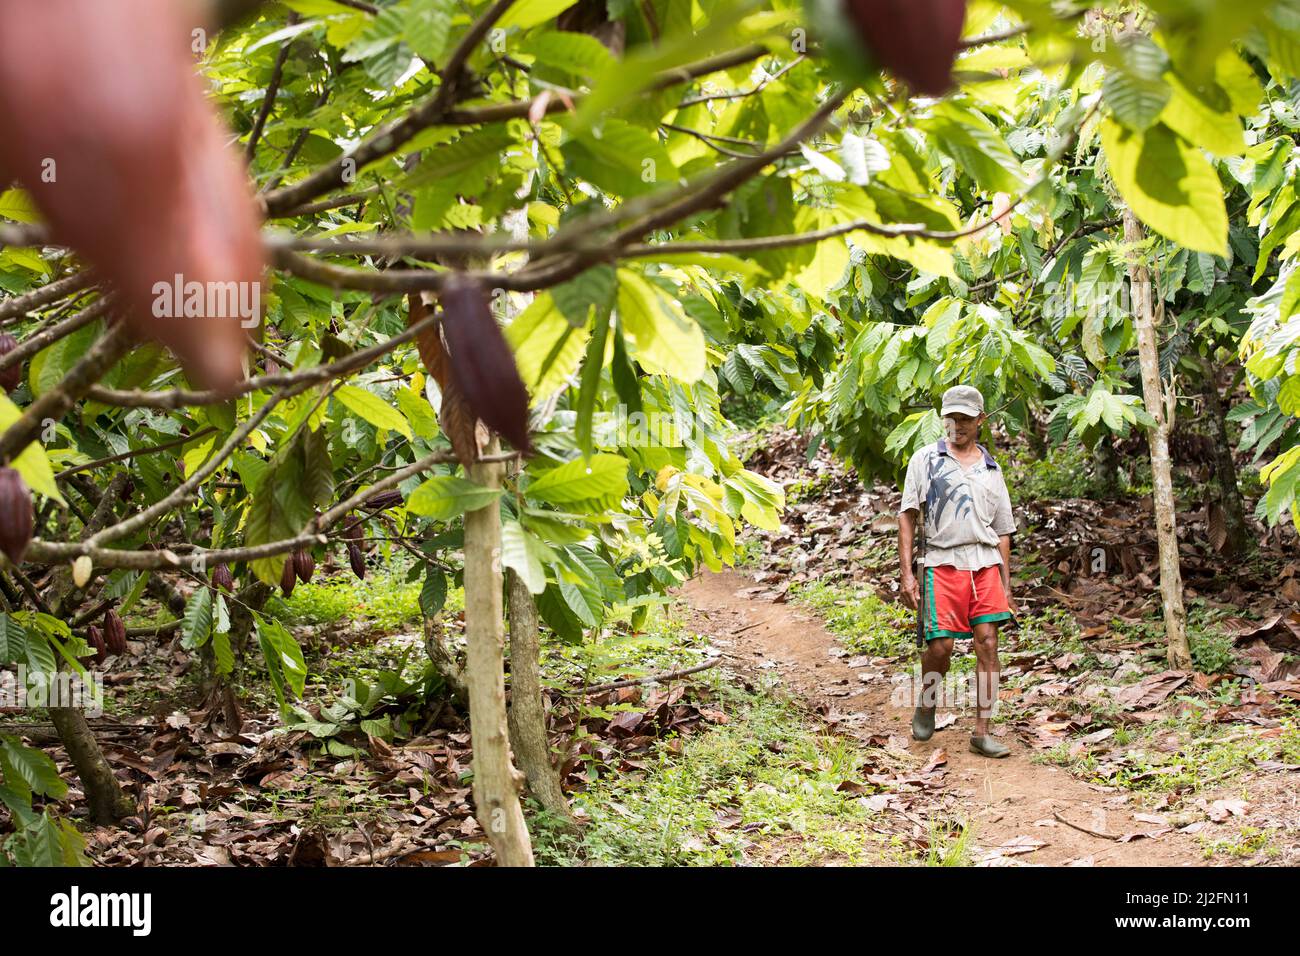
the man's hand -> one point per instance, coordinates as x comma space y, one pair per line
911, 590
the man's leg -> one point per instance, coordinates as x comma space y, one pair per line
934, 665
987, 675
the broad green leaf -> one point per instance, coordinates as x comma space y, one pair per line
1171, 186
547, 347
196, 623
526, 555
34, 768
602, 477
445, 497
668, 341
373, 409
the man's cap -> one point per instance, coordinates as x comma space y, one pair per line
963, 399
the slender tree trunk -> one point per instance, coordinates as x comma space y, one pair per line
1159, 407
1225, 469
106, 801
496, 782
527, 715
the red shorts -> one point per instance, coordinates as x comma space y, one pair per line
957, 600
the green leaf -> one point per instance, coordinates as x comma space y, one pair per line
33, 767
1170, 186
623, 159
284, 661
433, 594
222, 653
445, 497
529, 13
196, 623
602, 477
32, 462
526, 555
590, 387
373, 409
574, 53
668, 341
13, 641
418, 412
1206, 119
547, 346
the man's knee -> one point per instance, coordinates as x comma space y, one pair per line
986, 638
939, 651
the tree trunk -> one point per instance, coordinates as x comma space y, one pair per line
1225, 469
527, 715
1159, 407
106, 801
496, 782
105, 798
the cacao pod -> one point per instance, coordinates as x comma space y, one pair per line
11, 376
95, 638
355, 531
304, 564
223, 579
357, 560
916, 40
108, 128
482, 364
17, 518
288, 577
384, 500
114, 632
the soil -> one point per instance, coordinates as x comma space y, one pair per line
1009, 803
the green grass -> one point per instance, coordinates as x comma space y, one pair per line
385, 599
863, 621
766, 782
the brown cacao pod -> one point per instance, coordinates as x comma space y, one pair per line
482, 364
354, 530
95, 638
11, 376
916, 40
108, 127
357, 560
17, 517
114, 632
223, 579
288, 577
304, 565
384, 500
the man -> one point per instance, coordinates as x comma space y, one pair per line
967, 558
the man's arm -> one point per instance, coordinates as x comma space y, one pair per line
1004, 548
906, 542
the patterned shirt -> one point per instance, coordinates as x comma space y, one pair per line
967, 507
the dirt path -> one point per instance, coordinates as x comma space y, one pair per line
1010, 803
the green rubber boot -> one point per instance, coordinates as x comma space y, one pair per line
923, 723
988, 747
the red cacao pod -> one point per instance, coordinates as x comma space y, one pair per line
482, 364
915, 39
223, 579
95, 638
11, 376
17, 517
114, 632
357, 560
108, 128
288, 577
304, 565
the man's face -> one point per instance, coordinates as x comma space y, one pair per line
962, 429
